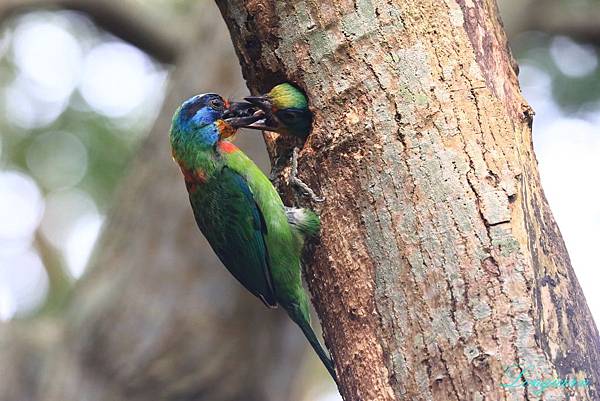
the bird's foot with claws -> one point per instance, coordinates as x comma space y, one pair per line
298, 182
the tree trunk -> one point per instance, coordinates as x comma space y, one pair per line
440, 272
157, 317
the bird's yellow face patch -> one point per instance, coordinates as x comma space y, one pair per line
225, 130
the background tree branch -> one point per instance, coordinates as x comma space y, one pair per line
579, 23
577, 20
127, 20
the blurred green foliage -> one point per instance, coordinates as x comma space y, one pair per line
83, 142
571, 66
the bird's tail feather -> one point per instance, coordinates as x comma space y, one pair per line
302, 320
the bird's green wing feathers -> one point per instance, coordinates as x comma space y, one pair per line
234, 226
283, 254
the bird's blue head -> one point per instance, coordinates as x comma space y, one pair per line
196, 121
200, 122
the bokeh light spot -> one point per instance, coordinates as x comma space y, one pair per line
24, 109
48, 55
57, 159
21, 206
81, 242
573, 59
117, 79
7, 303
24, 283
63, 210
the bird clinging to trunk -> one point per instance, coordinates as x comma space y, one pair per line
239, 211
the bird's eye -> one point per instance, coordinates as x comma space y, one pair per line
216, 104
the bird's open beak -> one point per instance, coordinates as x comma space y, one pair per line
241, 122
262, 102
241, 114
269, 122
252, 114
264, 124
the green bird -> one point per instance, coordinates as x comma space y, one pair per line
283, 110
240, 213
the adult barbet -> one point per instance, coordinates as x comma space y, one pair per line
240, 213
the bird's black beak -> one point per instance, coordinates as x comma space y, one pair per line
242, 114
269, 122
254, 114
262, 102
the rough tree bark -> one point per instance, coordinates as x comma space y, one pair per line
157, 318
439, 263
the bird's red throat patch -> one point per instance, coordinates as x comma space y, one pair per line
227, 147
